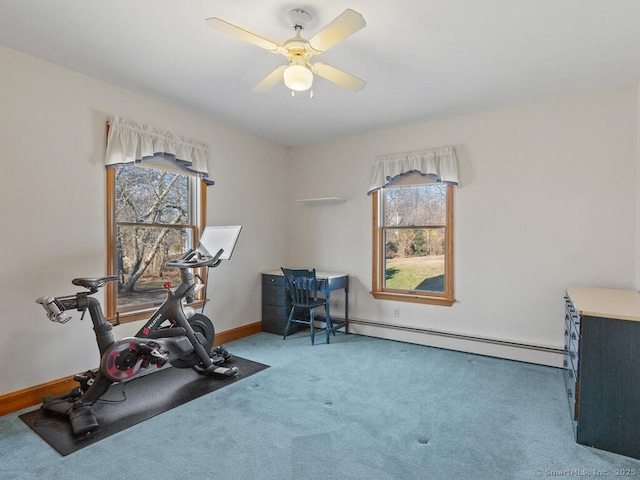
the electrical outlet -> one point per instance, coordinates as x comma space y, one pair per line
396, 312
335, 304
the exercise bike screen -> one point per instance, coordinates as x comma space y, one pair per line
215, 238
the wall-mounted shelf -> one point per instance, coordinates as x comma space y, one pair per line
321, 201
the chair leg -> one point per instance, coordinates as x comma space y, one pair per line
333, 328
286, 328
313, 328
327, 320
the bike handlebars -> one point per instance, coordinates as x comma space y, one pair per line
55, 310
195, 259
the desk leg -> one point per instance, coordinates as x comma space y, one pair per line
346, 307
328, 325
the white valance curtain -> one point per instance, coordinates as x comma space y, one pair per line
130, 142
435, 165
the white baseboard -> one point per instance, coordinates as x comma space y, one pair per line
531, 353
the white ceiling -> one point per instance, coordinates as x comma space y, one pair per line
422, 59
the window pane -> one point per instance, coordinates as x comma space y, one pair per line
414, 259
147, 195
141, 256
424, 205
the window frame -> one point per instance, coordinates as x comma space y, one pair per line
379, 291
142, 312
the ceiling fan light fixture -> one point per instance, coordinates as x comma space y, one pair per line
298, 78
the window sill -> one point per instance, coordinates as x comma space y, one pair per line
412, 298
145, 313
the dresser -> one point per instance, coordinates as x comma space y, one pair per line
602, 367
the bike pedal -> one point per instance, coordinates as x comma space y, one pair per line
85, 380
217, 359
220, 350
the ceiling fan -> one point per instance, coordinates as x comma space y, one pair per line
298, 74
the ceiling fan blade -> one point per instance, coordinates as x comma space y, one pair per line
338, 77
345, 24
241, 34
270, 80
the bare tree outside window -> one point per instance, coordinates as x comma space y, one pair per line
154, 223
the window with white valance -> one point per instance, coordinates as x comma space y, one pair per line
419, 167
130, 142
156, 210
412, 228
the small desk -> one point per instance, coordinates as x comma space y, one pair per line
276, 303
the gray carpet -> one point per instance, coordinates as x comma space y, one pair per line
359, 408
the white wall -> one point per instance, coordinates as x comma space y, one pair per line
637, 286
548, 199
52, 139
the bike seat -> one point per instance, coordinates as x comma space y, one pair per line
94, 283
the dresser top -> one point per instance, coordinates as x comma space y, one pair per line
606, 302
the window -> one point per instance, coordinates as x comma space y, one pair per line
413, 243
154, 215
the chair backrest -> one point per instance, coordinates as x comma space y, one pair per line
301, 285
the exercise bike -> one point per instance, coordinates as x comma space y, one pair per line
175, 335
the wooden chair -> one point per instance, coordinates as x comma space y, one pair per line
302, 286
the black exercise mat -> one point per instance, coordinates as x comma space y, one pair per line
126, 404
